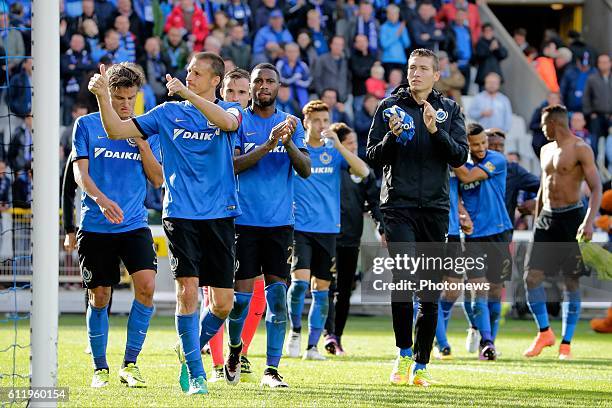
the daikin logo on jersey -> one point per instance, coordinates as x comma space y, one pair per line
185, 134
109, 154
252, 146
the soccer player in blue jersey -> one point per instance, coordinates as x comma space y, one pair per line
113, 176
317, 222
271, 149
483, 190
458, 220
200, 202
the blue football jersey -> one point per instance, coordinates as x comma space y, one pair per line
115, 167
485, 200
265, 191
317, 198
453, 216
197, 160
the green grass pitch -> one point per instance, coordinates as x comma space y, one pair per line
358, 380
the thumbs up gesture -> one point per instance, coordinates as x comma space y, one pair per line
176, 87
98, 84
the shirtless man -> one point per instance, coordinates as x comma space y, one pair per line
560, 217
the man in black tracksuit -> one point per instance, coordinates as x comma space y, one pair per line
415, 193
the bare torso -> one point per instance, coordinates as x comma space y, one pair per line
562, 173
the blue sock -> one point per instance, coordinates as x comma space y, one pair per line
444, 312
137, 326
295, 302
97, 331
276, 322
317, 315
483, 320
469, 313
209, 326
415, 311
187, 329
418, 366
495, 316
571, 314
536, 299
237, 317
405, 352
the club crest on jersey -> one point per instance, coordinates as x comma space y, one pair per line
131, 142
441, 116
325, 158
490, 166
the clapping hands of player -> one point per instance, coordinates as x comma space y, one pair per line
429, 117
110, 210
98, 84
290, 124
176, 87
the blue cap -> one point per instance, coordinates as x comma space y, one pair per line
276, 13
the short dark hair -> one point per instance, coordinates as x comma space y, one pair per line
520, 31
79, 105
557, 113
329, 90
237, 73
487, 25
216, 63
474, 129
341, 129
124, 75
495, 132
424, 52
267, 65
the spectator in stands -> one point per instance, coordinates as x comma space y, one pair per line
12, 42
336, 109
91, 34
237, 50
127, 39
213, 44
78, 109
155, 64
221, 23
394, 41
295, 73
319, 36
490, 107
363, 121
239, 11
597, 100
578, 47
297, 16
331, 70
460, 36
19, 95
408, 11
105, 10
364, 23
396, 77
360, 63
520, 38
176, 50
307, 51
376, 84
574, 82
124, 8
538, 139
22, 198
20, 147
85, 97
262, 14
545, 66
451, 80
5, 191
488, 54
427, 33
270, 39
578, 128
73, 66
562, 61
145, 11
285, 103
448, 14
111, 49
21, 14
89, 13
191, 20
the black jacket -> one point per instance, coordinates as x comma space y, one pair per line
355, 193
69, 187
416, 175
